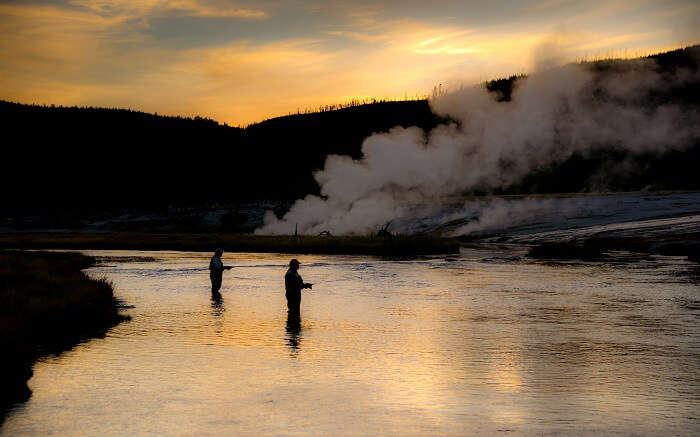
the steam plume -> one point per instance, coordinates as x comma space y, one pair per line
407, 173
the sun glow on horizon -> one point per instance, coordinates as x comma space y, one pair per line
243, 62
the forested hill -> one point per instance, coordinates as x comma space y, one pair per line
96, 158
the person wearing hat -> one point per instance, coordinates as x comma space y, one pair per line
216, 268
293, 284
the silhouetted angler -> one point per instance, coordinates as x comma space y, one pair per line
216, 268
293, 285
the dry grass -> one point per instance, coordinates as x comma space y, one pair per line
47, 304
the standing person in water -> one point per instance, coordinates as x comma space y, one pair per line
216, 268
293, 285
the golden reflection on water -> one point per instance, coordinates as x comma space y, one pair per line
381, 347
506, 372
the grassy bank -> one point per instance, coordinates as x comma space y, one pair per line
47, 305
355, 245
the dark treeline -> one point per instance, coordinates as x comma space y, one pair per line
93, 159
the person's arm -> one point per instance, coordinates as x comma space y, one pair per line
303, 284
300, 282
220, 266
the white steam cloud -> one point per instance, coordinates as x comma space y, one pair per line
407, 174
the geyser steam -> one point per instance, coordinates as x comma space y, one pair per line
407, 173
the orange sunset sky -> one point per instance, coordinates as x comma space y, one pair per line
244, 61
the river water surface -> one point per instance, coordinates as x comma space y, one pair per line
482, 343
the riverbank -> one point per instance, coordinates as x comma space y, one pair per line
47, 305
687, 245
400, 245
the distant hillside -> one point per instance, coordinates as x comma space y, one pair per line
104, 158
97, 159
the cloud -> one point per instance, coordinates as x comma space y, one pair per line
192, 8
445, 44
359, 36
200, 9
241, 61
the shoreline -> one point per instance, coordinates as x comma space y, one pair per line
399, 245
47, 305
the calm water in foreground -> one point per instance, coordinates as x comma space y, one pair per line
466, 345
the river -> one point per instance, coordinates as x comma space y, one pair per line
481, 343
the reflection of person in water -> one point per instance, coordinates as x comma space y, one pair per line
293, 331
216, 269
293, 284
217, 303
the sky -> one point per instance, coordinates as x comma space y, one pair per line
244, 61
